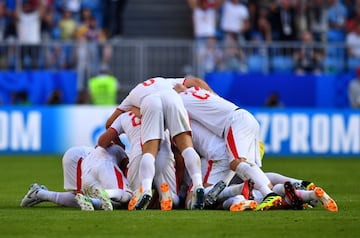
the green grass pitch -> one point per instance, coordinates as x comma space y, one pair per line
339, 177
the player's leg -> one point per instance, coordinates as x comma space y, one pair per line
152, 131
165, 177
239, 203
177, 121
216, 173
39, 193
276, 178
242, 138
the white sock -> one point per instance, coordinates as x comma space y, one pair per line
231, 191
307, 196
118, 195
279, 189
276, 178
247, 171
96, 203
147, 172
66, 199
193, 166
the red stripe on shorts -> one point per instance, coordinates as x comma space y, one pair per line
231, 143
78, 175
207, 174
119, 178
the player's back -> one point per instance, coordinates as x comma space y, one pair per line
129, 124
209, 109
208, 144
146, 88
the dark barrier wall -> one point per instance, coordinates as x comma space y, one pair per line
251, 90
39, 85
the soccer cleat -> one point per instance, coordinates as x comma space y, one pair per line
143, 202
247, 189
197, 200
135, 199
290, 192
102, 195
213, 193
31, 199
84, 202
271, 200
243, 205
326, 200
308, 185
166, 198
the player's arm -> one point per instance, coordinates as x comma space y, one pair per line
198, 82
108, 137
113, 116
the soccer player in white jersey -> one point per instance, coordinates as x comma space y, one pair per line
161, 108
71, 162
164, 180
296, 193
103, 179
215, 164
239, 129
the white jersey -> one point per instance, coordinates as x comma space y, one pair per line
158, 102
146, 88
129, 124
236, 126
71, 163
209, 109
100, 169
212, 150
207, 144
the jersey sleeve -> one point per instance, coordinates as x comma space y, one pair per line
116, 125
174, 81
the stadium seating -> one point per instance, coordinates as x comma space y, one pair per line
256, 63
282, 64
333, 64
353, 63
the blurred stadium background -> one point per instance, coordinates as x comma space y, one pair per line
44, 96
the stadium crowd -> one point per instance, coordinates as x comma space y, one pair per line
231, 35
222, 28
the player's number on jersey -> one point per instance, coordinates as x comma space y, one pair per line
135, 121
200, 94
148, 82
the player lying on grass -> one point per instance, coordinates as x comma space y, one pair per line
71, 162
164, 179
300, 194
215, 163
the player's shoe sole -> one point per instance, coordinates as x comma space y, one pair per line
212, 195
272, 200
166, 197
198, 199
143, 202
243, 205
326, 200
134, 199
84, 202
296, 202
102, 195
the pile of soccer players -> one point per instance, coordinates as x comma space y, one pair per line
189, 149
